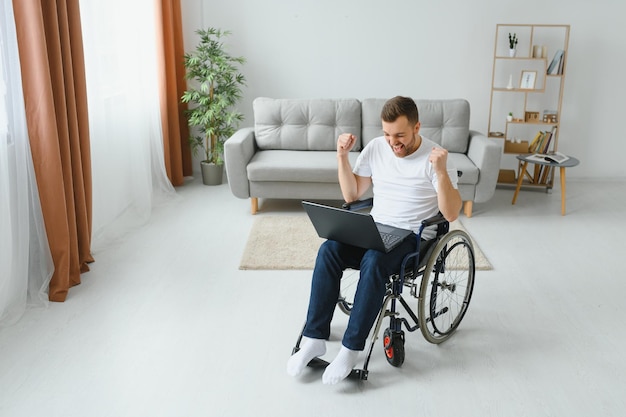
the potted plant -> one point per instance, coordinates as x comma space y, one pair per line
509, 117
216, 88
512, 44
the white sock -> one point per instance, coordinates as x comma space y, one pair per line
309, 349
341, 366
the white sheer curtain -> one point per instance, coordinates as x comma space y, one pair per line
128, 168
25, 262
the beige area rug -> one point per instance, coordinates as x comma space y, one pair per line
283, 242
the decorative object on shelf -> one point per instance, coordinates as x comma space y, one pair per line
509, 117
509, 86
515, 140
550, 116
512, 44
217, 90
536, 51
527, 81
531, 116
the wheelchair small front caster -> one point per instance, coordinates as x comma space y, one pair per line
394, 347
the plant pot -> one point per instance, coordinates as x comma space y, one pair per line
509, 118
512, 52
211, 173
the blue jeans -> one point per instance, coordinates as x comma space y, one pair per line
375, 268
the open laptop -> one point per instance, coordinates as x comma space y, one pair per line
353, 228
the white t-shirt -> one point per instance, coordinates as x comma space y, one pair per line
405, 189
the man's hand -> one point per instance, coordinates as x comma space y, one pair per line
448, 197
439, 158
352, 186
345, 143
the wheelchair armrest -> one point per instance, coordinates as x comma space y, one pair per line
437, 219
358, 204
443, 226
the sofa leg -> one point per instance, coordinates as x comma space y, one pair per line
255, 204
467, 208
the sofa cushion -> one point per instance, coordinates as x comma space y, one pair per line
304, 125
372, 127
295, 166
446, 122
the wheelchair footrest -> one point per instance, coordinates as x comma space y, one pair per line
355, 374
319, 363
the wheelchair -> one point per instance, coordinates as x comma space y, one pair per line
439, 276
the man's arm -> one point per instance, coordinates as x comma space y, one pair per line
352, 186
448, 197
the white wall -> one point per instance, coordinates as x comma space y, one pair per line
366, 48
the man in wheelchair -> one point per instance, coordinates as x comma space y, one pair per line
412, 180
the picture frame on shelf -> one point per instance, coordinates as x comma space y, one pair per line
527, 81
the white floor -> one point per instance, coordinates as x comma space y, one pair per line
165, 324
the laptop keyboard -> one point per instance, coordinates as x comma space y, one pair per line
389, 239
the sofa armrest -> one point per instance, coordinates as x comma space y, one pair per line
485, 153
238, 150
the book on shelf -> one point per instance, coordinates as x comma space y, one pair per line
543, 150
552, 133
541, 142
534, 144
559, 71
542, 172
545, 174
556, 63
546, 144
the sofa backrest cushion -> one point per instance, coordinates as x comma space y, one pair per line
300, 124
372, 126
445, 122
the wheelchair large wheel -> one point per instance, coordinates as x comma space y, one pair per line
349, 282
446, 287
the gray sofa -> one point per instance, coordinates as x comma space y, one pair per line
290, 153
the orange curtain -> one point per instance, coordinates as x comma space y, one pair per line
53, 80
178, 163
